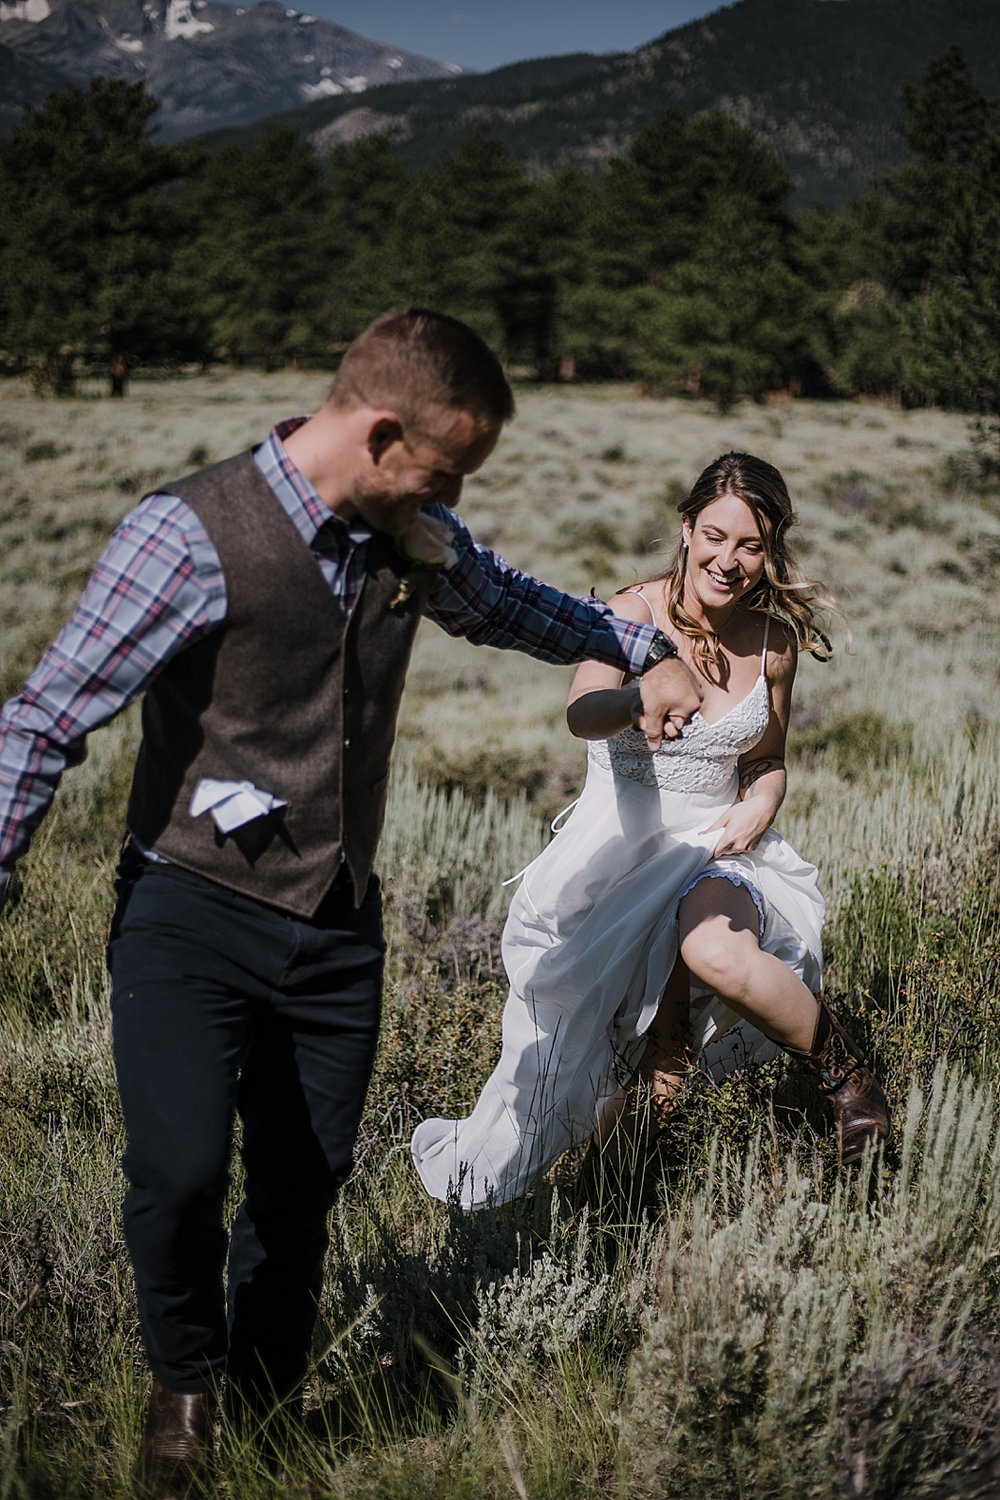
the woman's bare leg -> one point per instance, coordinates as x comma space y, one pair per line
664, 1063
719, 943
667, 1054
719, 926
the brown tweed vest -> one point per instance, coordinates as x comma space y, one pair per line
287, 694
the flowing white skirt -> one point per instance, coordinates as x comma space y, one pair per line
590, 940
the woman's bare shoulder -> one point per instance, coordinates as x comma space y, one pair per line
782, 650
781, 637
635, 603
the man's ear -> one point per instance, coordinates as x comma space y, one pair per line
385, 430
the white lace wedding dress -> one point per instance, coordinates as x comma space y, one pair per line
591, 938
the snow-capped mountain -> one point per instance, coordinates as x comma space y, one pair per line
209, 65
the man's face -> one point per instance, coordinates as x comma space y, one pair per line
409, 470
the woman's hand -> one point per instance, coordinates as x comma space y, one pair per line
741, 828
670, 695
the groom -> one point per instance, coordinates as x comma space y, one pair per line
266, 608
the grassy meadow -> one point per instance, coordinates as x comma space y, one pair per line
741, 1323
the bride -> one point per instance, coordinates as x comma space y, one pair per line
668, 918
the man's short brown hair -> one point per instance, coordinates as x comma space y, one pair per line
410, 359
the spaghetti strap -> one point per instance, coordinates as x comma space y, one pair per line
763, 654
640, 595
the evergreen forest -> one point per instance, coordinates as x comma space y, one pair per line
681, 266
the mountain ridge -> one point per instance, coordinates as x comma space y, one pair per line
208, 64
821, 80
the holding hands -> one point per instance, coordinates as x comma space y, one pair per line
668, 697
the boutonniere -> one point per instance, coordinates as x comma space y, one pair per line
425, 544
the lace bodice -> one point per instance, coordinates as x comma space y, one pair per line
702, 760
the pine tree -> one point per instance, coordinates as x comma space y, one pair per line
941, 235
365, 183
252, 264
915, 290
728, 319
954, 328
945, 120
534, 303
691, 278
88, 235
455, 243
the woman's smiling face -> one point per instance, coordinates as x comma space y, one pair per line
725, 553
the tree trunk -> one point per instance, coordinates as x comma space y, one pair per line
54, 374
119, 374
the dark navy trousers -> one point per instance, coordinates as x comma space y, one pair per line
225, 1010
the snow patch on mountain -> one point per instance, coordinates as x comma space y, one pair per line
242, 62
180, 20
24, 10
322, 90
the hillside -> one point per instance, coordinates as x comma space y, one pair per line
820, 79
209, 65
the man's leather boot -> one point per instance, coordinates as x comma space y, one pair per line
859, 1106
175, 1444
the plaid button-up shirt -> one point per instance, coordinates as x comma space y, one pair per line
158, 587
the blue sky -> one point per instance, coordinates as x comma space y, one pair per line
485, 34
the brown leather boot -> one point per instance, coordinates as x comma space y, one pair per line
175, 1444
859, 1106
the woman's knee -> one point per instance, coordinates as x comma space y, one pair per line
719, 940
719, 953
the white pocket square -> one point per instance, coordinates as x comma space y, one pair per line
232, 803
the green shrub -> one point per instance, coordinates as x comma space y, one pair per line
853, 745
799, 1343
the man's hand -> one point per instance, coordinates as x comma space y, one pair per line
670, 695
428, 541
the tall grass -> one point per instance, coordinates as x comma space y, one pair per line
743, 1325
808, 1344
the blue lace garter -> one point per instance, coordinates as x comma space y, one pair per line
734, 878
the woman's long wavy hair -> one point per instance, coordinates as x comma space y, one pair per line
784, 591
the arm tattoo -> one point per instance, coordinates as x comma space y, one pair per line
755, 769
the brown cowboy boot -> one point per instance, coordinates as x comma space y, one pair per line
859, 1106
175, 1445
